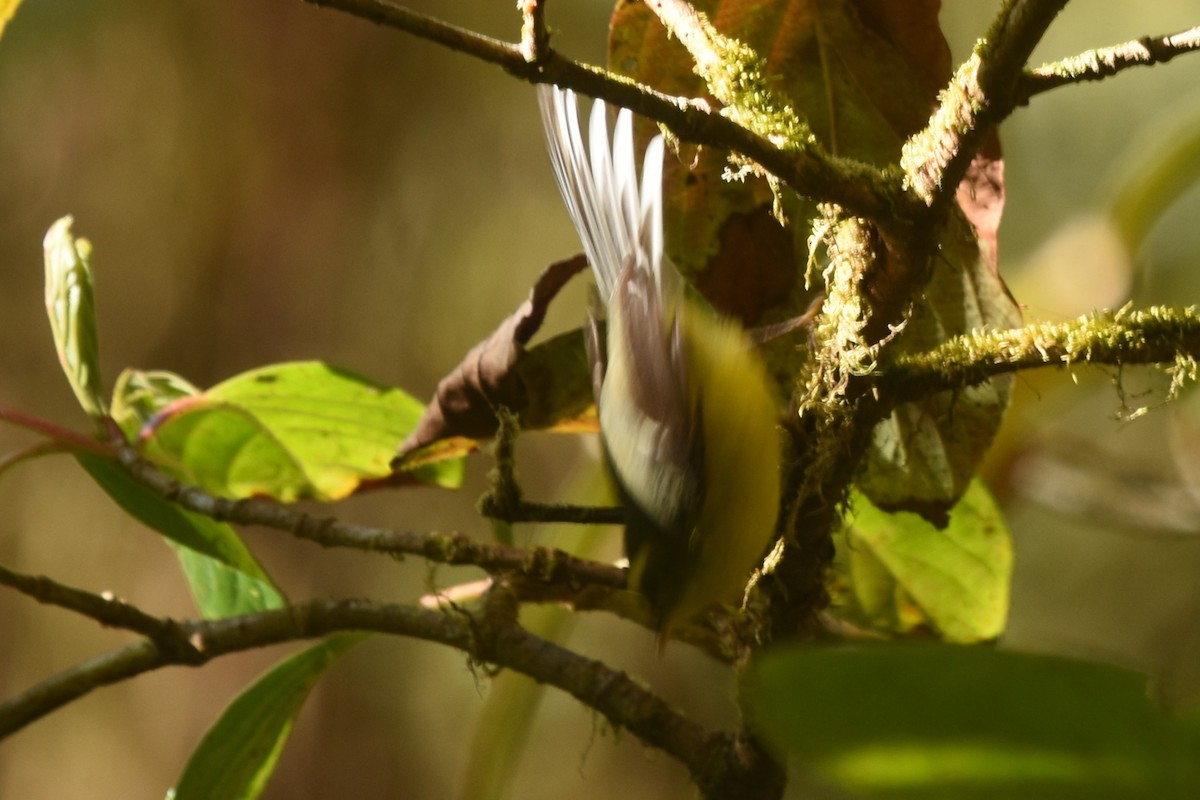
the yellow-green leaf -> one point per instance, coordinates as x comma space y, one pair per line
302, 429
71, 305
237, 755
899, 573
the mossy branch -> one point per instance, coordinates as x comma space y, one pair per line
736, 76
983, 91
1104, 62
1156, 335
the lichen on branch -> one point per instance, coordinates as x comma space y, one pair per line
1157, 335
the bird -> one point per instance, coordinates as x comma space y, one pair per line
687, 411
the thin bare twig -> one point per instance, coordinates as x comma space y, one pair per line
1154, 335
108, 611
526, 511
71, 440
1104, 62
445, 548
504, 500
855, 186
44, 448
454, 37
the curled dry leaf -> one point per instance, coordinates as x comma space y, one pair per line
547, 386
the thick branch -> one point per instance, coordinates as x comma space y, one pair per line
72, 684
1104, 62
1156, 335
492, 637
984, 91
737, 77
538, 574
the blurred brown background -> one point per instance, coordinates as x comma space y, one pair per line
263, 181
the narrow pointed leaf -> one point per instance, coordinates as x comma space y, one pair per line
71, 306
237, 755
224, 578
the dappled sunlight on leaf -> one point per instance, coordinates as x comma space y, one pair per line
287, 431
930, 722
899, 573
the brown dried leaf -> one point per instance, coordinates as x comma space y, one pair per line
547, 386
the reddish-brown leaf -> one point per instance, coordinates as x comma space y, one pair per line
865, 75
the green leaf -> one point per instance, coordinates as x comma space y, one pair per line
287, 431
141, 394
227, 451
71, 307
502, 728
220, 590
923, 456
224, 578
935, 721
901, 573
237, 755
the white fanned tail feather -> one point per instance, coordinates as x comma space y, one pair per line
687, 412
